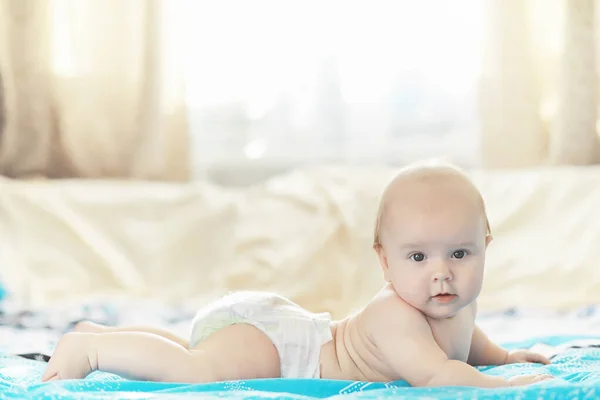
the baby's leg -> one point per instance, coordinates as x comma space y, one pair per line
234, 352
92, 327
239, 351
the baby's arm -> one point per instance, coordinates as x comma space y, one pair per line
408, 347
485, 352
136, 355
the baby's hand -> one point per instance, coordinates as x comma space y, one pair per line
521, 380
74, 357
524, 356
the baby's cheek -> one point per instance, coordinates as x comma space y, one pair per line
409, 285
472, 283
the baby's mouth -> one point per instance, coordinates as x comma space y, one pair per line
444, 297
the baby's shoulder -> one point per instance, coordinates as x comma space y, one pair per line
386, 310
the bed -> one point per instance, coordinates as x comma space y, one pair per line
141, 252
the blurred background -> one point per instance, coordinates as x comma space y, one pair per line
155, 155
237, 91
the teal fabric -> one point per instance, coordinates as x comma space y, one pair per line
576, 372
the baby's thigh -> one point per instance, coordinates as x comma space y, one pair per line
240, 351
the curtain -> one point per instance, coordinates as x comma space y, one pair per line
538, 89
92, 89
150, 89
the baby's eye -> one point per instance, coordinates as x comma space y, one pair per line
459, 254
418, 257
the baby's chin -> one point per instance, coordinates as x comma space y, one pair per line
432, 313
441, 311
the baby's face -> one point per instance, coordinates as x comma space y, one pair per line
434, 249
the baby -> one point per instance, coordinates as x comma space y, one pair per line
431, 235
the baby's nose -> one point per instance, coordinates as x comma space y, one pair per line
442, 273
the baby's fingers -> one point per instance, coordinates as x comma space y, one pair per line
529, 379
537, 358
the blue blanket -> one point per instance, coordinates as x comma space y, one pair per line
577, 372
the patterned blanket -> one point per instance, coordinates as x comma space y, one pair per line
575, 364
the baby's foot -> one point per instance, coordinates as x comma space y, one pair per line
89, 326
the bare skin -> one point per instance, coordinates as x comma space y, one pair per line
430, 238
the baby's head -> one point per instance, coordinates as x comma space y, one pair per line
431, 236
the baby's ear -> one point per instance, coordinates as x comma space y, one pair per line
383, 262
378, 249
488, 240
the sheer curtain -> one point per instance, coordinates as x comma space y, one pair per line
275, 84
538, 94
93, 88
180, 89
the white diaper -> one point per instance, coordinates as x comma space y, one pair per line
296, 333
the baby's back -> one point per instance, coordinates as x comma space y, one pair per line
354, 354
